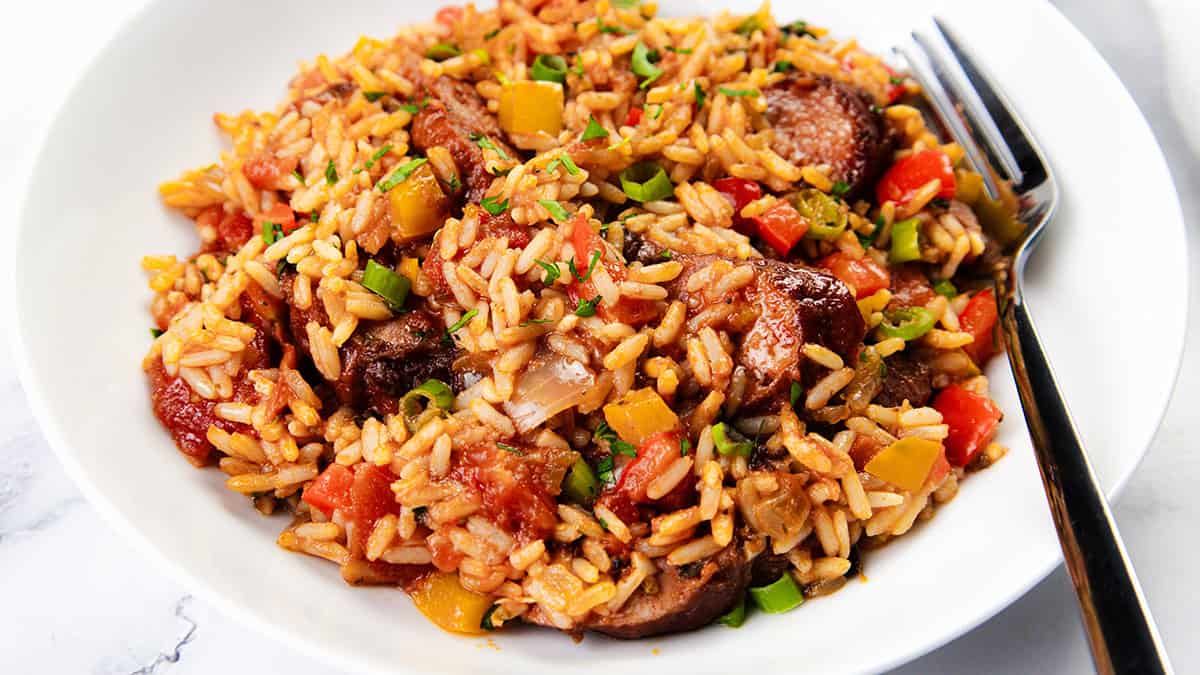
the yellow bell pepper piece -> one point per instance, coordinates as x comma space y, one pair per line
532, 106
906, 463
639, 415
968, 186
409, 267
418, 205
446, 603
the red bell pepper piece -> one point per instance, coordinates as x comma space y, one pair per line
654, 455
972, 420
330, 490
633, 117
864, 275
908, 175
587, 243
739, 192
979, 319
781, 226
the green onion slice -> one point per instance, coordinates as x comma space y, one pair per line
908, 323
385, 283
643, 64
782, 66
442, 51
945, 288
730, 442
457, 326
782, 596
580, 484
556, 210
739, 93
594, 130
906, 241
735, 617
549, 68
646, 182
401, 174
373, 96
429, 400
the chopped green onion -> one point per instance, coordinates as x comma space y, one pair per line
797, 28
155, 333
907, 323
415, 108
373, 96
552, 271
549, 68
271, 232
483, 56
563, 160
556, 210
385, 283
646, 182
457, 325
437, 391
379, 154
299, 176
840, 188
491, 34
735, 617
587, 307
795, 394
594, 130
510, 449
782, 66
442, 51
906, 241
493, 206
782, 596
677, 50
580, 484
896, 80
401, 174
531, 322
432, 398
748, 93
487, 144
578, 69
700, 95
590, 268
945, 288
643, 64
606, 28
658, 113
667, 254
331, 176
685, 446
486, 622
730, 442
454, 184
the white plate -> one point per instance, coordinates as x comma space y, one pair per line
1107, 288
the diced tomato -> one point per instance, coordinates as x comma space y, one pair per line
586, 243
972, 420
739, 192
654, 455
281, 214
634, 117
330, 490
979, 319
265, 169
905, 177
448, 16
864, 275
234, 229
895, 89
781, 226
371, 498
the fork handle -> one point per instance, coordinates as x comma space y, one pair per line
1120, 629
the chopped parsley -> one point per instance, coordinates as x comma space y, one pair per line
945, 288
840, 188
487, 144
700, 95
746, 93
563, 160
604, 469
552, 271
782, 66
299, 176
605, 28
454, 183
658, 113
587, 307
155, 333
896, 80
486, 622
685, 446
494, 207
749, 25
331, 176
590, 268
271, 232
491, 34
508, 448
401, 174
797, 28
606, 433
415, 108
677, 50
532, 322
578, 69
795, 394
457, 325
667, 254
373, 96
556, 210
595, 130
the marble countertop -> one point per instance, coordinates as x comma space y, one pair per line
75, 598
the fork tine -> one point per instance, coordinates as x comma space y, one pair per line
990, 112
931, 82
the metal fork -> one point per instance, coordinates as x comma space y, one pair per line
1120, 629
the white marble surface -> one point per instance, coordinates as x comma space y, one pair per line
74, 598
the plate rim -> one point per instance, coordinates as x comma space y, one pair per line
245, 615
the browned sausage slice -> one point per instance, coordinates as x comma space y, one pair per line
908, 378
819, 121
454, 115
682, 603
